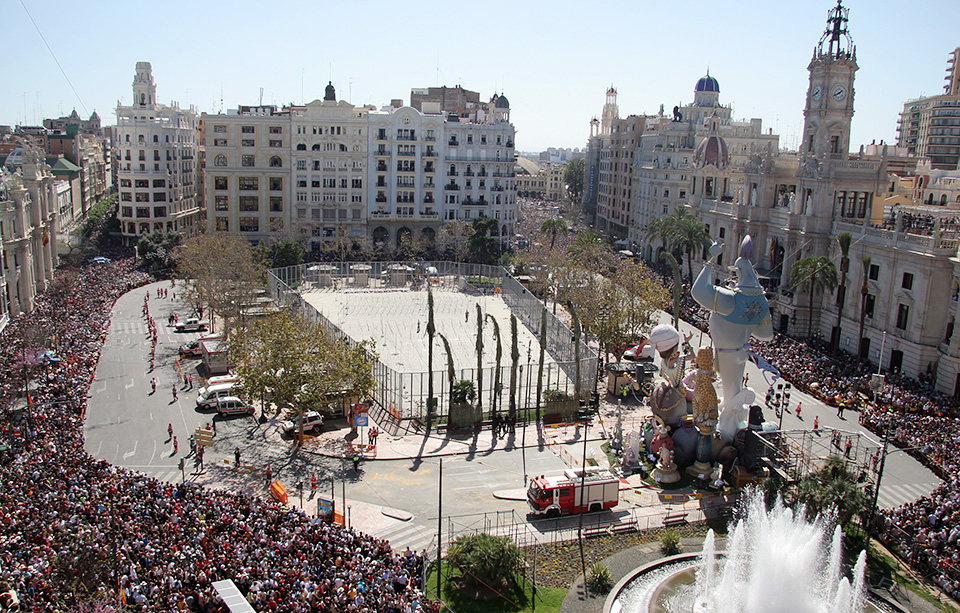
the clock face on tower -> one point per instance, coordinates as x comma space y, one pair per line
839, 93
406, 121
817, 91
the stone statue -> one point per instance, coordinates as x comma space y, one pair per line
753, 196
716, 477
735, 315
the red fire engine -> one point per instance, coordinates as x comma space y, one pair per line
560, 494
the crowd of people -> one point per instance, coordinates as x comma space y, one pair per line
75, 528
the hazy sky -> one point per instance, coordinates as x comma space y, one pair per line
553, 60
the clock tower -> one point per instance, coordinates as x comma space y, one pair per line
829, 106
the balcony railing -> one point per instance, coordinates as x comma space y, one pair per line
428, 168
482, 173
453, 142
429, 154
452, 186
452, 173
468, 173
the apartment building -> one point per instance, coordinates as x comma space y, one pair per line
930, 126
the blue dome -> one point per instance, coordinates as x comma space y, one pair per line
707, 84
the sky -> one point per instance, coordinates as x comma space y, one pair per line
553, 61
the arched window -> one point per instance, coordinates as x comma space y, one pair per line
301, 147
220, 160
276, 162
943, 199
316, 147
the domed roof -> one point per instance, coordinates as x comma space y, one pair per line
330, 93
503, 103
707, 84
712, 150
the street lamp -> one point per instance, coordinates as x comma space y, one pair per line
883, 460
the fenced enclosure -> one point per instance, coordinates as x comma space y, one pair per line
387, 302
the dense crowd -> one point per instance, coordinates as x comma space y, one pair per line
74, 528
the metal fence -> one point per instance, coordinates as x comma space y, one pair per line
405, 393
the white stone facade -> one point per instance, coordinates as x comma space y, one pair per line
157, 168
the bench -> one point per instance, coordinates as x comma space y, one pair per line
675, 519
591, 531
627, 526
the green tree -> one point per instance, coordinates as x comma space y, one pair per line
591, 251
454, 238
864, 292
833, 487
813, 275
843, 240
677, 283
486, 561
573, 179
157, 252
485, 240
553, 226
287, 253
296, 362
690, 236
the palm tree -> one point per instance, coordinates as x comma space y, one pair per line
590, 250
844, 240
690, 236
677, 282
497, 375
814, 275
479, 356
864, 292
553, 227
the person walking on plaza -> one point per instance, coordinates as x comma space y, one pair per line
174, 392
153, 386
846, 450
200, 456
816, 423
313, 485
798, 411
176, 446
840, 408
169, 431
236, 456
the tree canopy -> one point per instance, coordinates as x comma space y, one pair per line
573, 179
299, 363
813, 275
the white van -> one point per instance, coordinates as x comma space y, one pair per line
222, 379
208, 397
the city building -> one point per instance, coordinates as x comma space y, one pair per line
156, 154
329, 173
543, 181
28, 230
83, 126
930, 126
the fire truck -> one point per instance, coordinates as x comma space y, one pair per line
561, 494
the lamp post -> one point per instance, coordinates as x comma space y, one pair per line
883, 460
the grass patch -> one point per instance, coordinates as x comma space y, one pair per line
515, 600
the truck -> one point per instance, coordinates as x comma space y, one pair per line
191, 324
563, 495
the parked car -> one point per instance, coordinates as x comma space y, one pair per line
208, 397
191, 349
231, 405
312, 422
191, 324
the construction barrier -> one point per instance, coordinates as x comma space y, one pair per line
204, 437
367, 452
278, 492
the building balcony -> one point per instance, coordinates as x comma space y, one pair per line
429, 214
429, 154
496, 188
452, 186
407, 153
468, 173
411, 137
381, 151
452, 173
509, 143
453, 142
382, 166
381, 199
431, 139
428, 200
428, 168
482, 173
405, 185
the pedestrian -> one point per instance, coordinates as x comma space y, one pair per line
174, 392
840, 410
153, 386
467, 316
313, 484
191, 381
418, 327
193, 444
269, 474
169, 431
356, 464
236, 456
214, 427
176, 447
816, 423
200, 456
186, 380
798, 411
846, 451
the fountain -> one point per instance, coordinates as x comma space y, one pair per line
775, 561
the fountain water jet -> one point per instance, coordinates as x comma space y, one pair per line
776, 561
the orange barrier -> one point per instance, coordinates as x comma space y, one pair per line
278, 492
367, 452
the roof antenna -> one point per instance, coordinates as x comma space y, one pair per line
261, 97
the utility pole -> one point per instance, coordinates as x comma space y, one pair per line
439, 526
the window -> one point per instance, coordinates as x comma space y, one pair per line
874, 272
159, 211
249, 224
248, 142
223, 224
330, 183
275, 143
221, 203
276, 184
357, 183
249, 184
219, 128
903, 315
276, 130
276, 204
160, 197
219, 142
248, 160
301, 147
125, 183
907, 282
248, 129
143, 197
249, 204
276, 162
159, 182
301, 164
142, 183
220, 160
126, 197
143, 211
868, 305
314, 183
219, 183
126, 211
